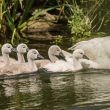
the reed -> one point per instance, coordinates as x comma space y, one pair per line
14, 16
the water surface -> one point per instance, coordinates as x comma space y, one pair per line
85, 90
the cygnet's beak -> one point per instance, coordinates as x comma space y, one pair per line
85, 57
61, 56
40, 57
27, 49
14, 50
72, 48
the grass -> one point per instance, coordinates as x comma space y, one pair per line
14, 17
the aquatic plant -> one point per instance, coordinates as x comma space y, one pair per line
12, 17
81, 20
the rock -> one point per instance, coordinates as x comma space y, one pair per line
42, 37
45, 28
41, 26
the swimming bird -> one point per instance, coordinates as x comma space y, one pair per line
4, 59
81, 61
21, 50
65, 66
54, 52
97, 50
27, 67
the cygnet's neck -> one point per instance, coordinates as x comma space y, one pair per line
6, 58
20, 58
53, 58
76, 63
32, 65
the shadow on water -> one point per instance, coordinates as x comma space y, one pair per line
84, 90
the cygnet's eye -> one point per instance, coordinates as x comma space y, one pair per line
23, 47
81, 53
8, 46
34, 53
57, 50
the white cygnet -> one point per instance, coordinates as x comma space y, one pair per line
27, 67
75, 63
21, 50
54, 52
4, 59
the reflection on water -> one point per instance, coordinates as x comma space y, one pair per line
70, 91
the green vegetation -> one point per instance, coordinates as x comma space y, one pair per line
79, 24
84, 18
14, 16
81, 21
12, 19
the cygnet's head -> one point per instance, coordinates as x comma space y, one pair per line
7, 48
55, 50
33, 54
78, 53
22, 48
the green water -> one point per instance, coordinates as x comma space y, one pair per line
87, 90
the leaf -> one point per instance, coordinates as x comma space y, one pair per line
13, 36
21, 4
16, 3
26, 11
10, 21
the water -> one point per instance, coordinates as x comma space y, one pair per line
86, 90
